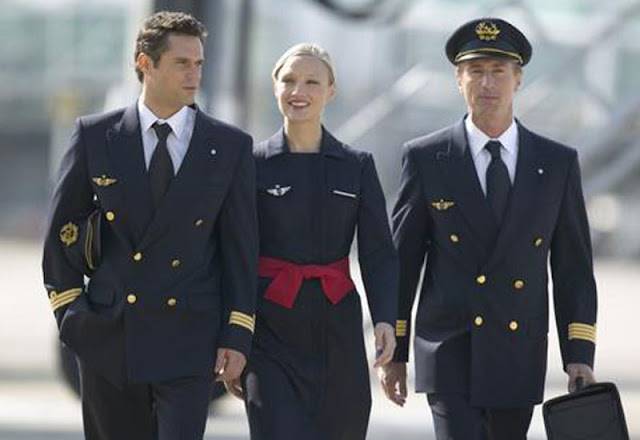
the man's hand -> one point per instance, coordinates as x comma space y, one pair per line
229, 366
579, 370
393, 379
385, 343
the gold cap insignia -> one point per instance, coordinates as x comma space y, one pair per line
104, 180
487, 31
442, 205
69, 234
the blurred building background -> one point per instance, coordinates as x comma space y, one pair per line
63, 58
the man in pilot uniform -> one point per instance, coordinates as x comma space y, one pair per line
486, 201
171, 300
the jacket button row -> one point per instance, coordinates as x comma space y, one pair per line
479, 321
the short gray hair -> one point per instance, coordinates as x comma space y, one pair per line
305, 49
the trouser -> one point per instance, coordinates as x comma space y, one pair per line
171, 410
455, 419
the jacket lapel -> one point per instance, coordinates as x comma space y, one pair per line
459, 173
524, 195
195, 169
127, 158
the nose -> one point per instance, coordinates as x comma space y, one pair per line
194, 74
487, 80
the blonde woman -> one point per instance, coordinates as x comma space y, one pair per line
307, 376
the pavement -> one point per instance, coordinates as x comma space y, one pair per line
36, 405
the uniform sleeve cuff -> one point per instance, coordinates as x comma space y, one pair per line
238, 332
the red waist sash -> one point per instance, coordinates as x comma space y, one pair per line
287, 279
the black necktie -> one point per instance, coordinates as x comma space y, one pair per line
160, 167
498, 182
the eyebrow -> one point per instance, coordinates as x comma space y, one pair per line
177, 58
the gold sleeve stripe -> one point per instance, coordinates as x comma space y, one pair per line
401, 328
582, 331
243, 320
63, 298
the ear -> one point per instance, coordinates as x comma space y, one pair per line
143, 62
519, 73
332, 92
457, 70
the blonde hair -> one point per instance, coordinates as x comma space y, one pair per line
305, 49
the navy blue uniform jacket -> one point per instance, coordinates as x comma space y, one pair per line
482, 319
174, 283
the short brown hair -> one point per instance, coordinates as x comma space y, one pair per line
152, 37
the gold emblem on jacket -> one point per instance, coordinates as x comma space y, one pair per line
104, 180
69, 234
442, 205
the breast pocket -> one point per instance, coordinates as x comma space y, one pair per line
343, 204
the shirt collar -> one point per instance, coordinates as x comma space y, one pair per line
177, 121
478, 139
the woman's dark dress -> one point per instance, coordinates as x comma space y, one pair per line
307, 376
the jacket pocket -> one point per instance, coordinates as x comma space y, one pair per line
206, 300
101, 294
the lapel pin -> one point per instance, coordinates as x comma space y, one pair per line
278, 190
540, 171
344, 194
104, 180
213, 152
442, 205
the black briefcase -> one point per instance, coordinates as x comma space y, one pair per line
592, 413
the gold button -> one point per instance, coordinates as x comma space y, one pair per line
137, 256
454, 238
171, 302
131, 298
478, 321
538, 242
110, 215
513, 326
175, 263
481, 279
53, 294
199, 222
518, 284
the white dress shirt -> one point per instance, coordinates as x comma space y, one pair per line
181, 122
481, 156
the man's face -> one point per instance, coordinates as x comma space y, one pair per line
174, 80
488, 85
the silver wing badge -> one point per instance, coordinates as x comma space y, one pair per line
278, 190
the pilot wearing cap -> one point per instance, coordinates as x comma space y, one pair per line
484, 204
